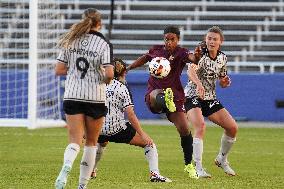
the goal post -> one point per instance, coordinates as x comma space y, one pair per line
31, 93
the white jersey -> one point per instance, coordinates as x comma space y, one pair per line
209, 70
85, 59
118, 98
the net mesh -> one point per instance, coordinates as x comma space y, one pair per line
14, 59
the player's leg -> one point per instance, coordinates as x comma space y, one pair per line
92, 130
151, 155
75, 131
100, 151
123, 136
196, 119
130, 136
225, 120
156, 101
161, 100
169, 99
180, 121
94, 120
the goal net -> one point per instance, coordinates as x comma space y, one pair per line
30, 91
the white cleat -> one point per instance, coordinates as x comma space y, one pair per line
202, 173
225, 166
62, 177
159, 178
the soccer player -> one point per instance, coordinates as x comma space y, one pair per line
166, 95
85, 59
116, 129
201, 101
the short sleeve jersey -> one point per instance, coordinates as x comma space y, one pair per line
209, 71
85, 59
178, 60
118, 98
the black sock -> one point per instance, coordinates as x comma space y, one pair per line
186, 144
160, 100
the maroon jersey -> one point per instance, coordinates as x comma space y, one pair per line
178, 60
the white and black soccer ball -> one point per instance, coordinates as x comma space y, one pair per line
159, 67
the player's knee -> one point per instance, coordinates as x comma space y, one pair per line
200, 129
233, 130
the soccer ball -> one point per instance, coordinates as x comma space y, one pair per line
159, 67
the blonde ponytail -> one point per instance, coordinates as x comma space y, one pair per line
91, 18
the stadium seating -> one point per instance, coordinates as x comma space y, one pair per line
254, 35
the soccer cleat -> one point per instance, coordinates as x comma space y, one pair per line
158, 178
191, 171
225, 166
202, 173
62, 177
169, 99
94, 174
82, 186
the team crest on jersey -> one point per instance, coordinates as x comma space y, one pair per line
85, 42
109, 93
171, 57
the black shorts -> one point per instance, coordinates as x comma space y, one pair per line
208, 107
124, 136
94, 110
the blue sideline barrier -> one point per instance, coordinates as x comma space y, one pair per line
251, 97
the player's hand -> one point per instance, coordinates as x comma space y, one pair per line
198, 53
203, 47
149, 141
200, 91
225, 82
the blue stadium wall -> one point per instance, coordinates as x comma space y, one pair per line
251, 97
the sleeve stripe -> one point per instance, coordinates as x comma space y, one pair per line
62, 61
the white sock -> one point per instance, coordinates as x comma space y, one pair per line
100, 151
197, 152
87, 164
71, 153
151, 155
226, 145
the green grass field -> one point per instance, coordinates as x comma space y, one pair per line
32, 159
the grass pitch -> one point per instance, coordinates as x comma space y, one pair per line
32, 159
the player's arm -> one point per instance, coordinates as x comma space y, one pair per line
191, 72
137, 63
60, 68
106, 60
195, 57
136, 125
225, 81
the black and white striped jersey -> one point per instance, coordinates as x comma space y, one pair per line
85, 59
209, 70
118, 98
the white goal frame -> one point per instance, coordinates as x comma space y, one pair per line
32, 122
